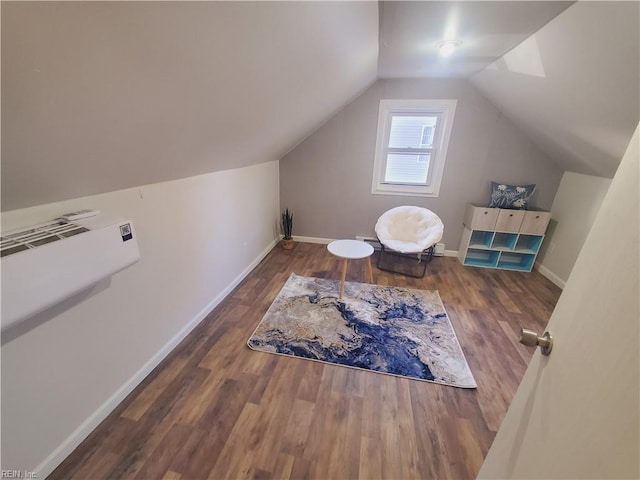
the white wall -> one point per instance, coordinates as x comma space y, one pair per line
198, 237
573, 211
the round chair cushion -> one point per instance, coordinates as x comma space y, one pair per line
409, 229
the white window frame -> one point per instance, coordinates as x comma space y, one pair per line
445, 109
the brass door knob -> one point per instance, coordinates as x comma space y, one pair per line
532, 339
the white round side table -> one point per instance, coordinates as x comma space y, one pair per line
351, 250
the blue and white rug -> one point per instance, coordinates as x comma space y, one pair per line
398, 331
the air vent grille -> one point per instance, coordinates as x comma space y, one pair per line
33, 237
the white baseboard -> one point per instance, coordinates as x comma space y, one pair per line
450, 253
313, 239
556, 280
72, 441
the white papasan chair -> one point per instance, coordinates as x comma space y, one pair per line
408, 230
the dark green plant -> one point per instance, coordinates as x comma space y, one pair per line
286, 223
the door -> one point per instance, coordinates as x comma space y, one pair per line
575, 414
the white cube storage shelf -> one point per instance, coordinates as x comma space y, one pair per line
501, 238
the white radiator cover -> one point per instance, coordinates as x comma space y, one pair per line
36, 279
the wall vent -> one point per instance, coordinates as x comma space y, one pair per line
371, 241
36, 236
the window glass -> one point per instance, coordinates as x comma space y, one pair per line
409, 131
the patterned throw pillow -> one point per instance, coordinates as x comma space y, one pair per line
510, 196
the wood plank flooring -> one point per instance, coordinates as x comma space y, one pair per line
215, 409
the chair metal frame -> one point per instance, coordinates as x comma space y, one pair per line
387, 251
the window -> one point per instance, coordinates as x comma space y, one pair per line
411, 146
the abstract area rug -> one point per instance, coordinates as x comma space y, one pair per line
398, 331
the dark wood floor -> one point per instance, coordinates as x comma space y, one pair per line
215, 409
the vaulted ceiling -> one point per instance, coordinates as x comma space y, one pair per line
574, 86
566, 73
100, 96
410, 31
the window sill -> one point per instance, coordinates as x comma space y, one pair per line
404, 190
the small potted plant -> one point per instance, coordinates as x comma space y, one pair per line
286, 224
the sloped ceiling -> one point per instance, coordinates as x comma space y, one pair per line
100, 96
574, 86
566, 73
410, 31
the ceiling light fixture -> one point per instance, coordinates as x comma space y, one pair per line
447, 47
